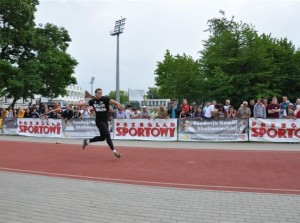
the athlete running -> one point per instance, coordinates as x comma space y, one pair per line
101, 106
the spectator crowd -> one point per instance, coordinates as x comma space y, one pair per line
260, 108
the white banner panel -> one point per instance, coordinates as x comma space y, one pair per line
82, 128
274, 130
136, 95
226, 130
9, 126
146, 129
40, 127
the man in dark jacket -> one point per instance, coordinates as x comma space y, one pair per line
174, 110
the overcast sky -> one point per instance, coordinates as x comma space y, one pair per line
151, 28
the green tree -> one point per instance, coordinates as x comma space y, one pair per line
124, 98
238, 63
33, 59
179, 77
152, 93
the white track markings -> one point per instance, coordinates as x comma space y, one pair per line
188, 186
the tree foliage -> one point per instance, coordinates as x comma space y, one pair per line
152, 93
239, 63
178, 77
236, 63
33, 59
124, 98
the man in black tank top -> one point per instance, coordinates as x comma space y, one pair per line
101, 106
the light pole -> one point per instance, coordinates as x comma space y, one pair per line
92, 82
119, 27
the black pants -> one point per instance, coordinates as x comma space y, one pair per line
104, 134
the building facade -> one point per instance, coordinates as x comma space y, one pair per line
74, 94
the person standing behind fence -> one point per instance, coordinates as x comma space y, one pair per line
154, 113
68, 113
259, 110
128, 111
77, 113
198, 113
210, 110
162, 113
4, 113
184, 109
121, 113
10, 113
221, 112
274, 109
35, 114
227, 105
289, 112
207, 104
231, 113
284, 105
145, 113
297, 104
135, 113
85, 112
27, 113
20, 113
173, 110
244, 111
46, 114
251, 106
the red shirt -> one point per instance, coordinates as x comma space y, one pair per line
273, 106
185, 108
298, 114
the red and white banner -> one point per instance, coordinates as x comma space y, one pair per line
274, 130
146, 129
40, 127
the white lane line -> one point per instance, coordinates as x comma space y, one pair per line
146, 182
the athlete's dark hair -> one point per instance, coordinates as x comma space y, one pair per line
98, 89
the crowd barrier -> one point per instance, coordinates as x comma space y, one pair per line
226, 130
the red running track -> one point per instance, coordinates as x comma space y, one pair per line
255, 171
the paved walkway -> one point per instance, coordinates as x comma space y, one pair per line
29, 198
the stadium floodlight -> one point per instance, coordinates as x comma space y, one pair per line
118, 29
92, 82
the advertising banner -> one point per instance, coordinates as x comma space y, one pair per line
9, 126
82, 128
40, 127
274, 130
146, 129
229, 130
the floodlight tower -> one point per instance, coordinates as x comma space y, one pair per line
119, 27
92, 82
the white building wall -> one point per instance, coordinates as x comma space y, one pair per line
74, 94
152, 103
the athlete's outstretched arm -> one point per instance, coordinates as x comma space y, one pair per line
79, 104
115, 103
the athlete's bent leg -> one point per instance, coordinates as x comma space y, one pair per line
104, 132
95, 139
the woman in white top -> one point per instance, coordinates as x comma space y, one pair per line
85, 112
121, 113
